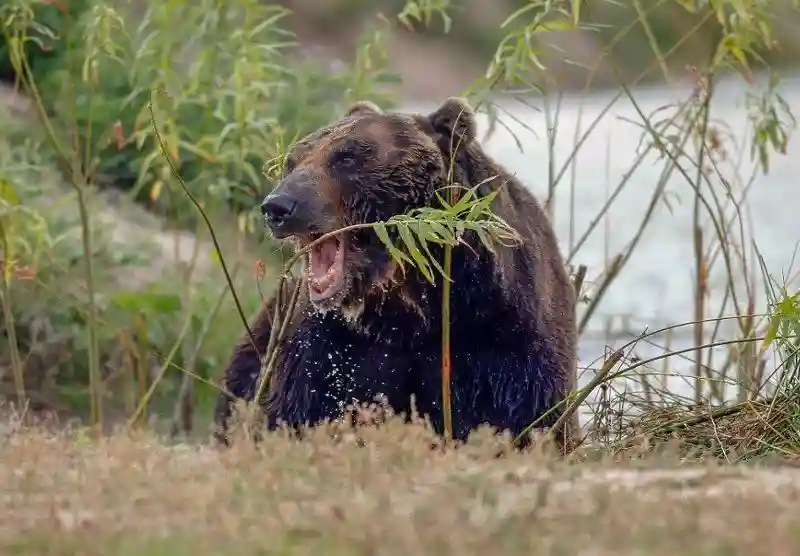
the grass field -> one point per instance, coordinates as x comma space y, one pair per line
378, 492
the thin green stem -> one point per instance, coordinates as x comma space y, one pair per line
447, 404
196, 203
79, 183
184, 405
17, 369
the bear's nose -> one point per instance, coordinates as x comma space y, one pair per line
277, 209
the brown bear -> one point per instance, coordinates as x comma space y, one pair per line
365, 328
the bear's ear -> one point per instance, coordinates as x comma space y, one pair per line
455, 119
362, 108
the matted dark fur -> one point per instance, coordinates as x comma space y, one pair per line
377, 331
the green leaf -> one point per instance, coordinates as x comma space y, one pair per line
426, 234
441, 199
463, 203
460, 227
555, 25
396, 254
139, 301
475, 211
485, 239
435, 263
785, 310
416, 254
8, 193
443, 232
772, 331
576, 11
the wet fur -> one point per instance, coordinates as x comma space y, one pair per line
512, 312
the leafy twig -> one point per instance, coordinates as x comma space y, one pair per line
189, 194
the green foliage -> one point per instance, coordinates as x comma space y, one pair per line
773, 122
141, 312
783, 330
518, 53
245, 88
444, 226
47, 23
423, 11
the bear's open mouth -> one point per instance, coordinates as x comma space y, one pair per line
325, 272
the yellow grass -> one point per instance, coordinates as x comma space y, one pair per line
383, 491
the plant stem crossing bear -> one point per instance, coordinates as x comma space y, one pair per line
364, 328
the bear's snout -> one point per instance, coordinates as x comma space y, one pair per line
286, 209
277, 209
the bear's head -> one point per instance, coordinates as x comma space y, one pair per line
366, 167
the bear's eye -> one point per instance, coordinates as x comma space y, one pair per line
343, 160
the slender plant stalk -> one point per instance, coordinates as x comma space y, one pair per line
447, 363
140, 410
277, 316
182, 416
94, 348
447, 403
271, 356
582, 394
574, 424
189, 194
701, 265
140, 358
184, 404
11, 330
128, 370
79, 183
578, 397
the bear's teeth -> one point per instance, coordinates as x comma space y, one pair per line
322, 284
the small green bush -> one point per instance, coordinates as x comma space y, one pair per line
238, 90
49, 23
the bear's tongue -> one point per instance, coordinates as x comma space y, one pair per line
325, 266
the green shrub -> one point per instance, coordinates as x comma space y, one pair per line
237, 91
48, 24
142, 296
